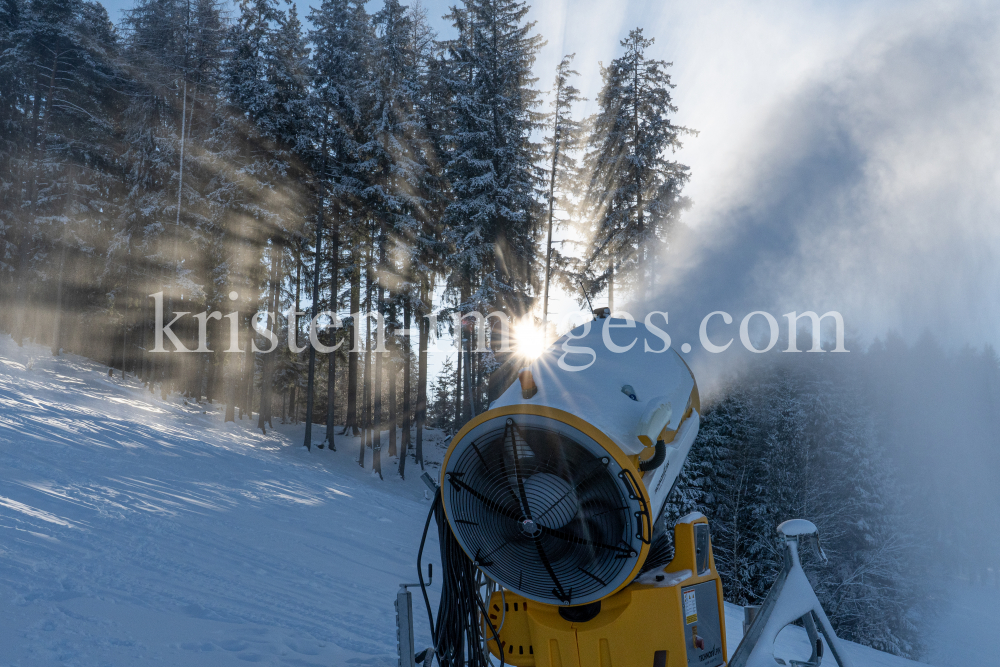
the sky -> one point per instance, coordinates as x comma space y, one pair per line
846, 155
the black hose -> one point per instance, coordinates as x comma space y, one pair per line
659, 456
458, 632
420, 555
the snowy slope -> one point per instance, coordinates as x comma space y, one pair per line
135, 530
965, 634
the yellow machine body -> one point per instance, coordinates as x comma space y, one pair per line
555, 493
645, 624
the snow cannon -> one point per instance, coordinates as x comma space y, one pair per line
556, 495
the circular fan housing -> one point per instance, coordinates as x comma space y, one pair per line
544, 509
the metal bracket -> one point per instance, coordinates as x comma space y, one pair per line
791, 598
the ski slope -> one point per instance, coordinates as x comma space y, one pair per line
135, 530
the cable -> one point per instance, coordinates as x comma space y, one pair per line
420, 555
462, 611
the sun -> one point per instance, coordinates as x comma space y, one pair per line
529, 340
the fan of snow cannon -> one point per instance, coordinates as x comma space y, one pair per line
544, 509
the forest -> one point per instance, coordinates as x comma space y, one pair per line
205, 161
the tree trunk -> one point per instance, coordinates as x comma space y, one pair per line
365, 399
641, 268
470, 400
480, 377
458, 380
230, 372
366, 384
331, 378
267, 371
424, 326
352, 358
57, 316
405, 438
146, 331
125, 328
552, 195
379, 366
230, 366
248, 368
294, 408
611, 287
311, 382
392, 368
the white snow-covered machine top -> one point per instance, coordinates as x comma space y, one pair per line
586, 372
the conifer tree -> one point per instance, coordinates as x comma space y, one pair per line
440, 414
799, 440
566, 138
492, 222
634, 193
426, 246
57, 66
341, 40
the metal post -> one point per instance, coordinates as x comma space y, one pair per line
404, 627
404, 616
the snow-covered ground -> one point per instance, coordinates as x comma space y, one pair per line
966, 631
135, 531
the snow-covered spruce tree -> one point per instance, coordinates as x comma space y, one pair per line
440, 408
757, 424
722, 427
265, 81
14, 118
427, 248
871, 596
492, 222
388, 161
563, 177
169, 219
57, 146
634, 192
395, 159
341, 41
797, 439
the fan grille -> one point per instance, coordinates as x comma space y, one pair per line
544, 509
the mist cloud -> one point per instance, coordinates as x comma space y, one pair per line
871, 190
